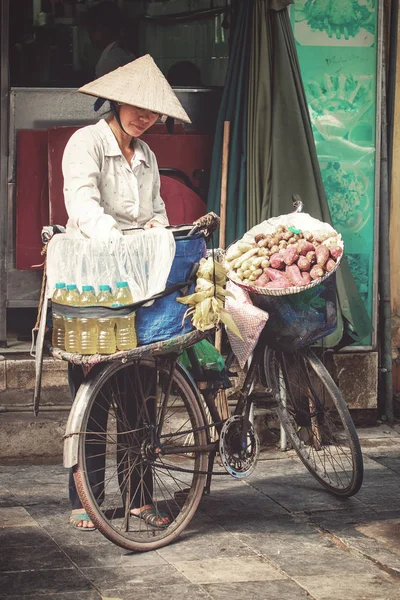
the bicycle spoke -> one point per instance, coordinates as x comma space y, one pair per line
314, 416
124, 462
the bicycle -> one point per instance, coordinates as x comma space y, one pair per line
170, 452
143, 430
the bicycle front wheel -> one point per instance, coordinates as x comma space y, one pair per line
135, 411
316, 419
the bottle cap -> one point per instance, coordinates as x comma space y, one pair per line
87, 288
60, 285
104, 288
71, 286
122, 284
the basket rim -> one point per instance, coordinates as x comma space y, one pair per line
283, 291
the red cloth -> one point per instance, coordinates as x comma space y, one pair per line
182, 204
32, 204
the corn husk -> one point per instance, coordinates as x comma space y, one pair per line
207, 302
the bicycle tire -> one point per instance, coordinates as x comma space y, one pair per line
170, 494
316, 419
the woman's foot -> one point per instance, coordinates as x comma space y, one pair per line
151, 516
79, 519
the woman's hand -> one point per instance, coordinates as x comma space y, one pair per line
153, 223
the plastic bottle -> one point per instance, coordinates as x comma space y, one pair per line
88, 325
126, 334
106, 343
58, 336
71, 324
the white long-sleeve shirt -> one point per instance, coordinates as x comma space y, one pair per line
102, 191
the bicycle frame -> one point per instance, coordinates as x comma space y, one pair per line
243, 406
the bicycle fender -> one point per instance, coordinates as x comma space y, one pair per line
74, 425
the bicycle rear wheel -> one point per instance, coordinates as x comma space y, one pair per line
316, 419
121, 467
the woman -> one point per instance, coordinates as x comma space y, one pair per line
111, 183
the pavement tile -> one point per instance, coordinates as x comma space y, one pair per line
246, 502
355, 587
319, 559
52, 581
109, 555
16, 516
7, 498
257, 590
200, 547
301, 493
227, 570
162, 592
63, 596
25, 558
377, 432
26, 536
124, 579
390, 462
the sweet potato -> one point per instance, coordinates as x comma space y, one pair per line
277, 261
278, 284
322, 254
336, 252
306, 277
303, 247
311, 257
274, 274
303, 263
294, 275
262, 280
330, 264
290, 255
316, 272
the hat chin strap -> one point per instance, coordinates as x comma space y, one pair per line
115, 112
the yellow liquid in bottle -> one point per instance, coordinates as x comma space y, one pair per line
126, 331
106, 342
88, 326
58, 334
72, 325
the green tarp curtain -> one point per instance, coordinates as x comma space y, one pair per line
234, 109
273, 131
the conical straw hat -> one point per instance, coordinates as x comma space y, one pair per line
139, 83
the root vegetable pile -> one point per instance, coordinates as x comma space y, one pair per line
283, 259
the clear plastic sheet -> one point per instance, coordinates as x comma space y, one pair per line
143, 259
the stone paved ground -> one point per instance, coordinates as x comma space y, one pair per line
276, 536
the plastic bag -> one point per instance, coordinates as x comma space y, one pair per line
143, 260
165, 318
208, 356
300, 320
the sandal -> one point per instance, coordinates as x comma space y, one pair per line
78, 517
151, 517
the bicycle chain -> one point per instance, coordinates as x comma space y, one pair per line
189, 431
182, 470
